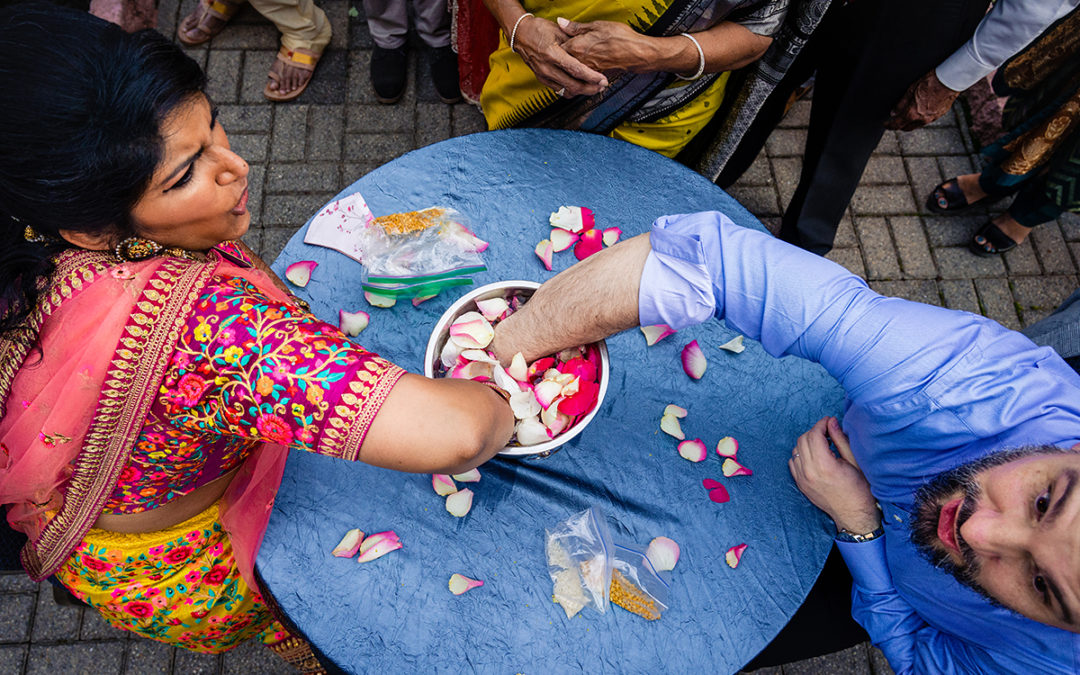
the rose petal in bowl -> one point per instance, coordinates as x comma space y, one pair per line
554, 420
541, 366
734, 555
349, 544
472, 370
518, 369
562, 240
299, 273
471, 331
544, 250
727, 447
450, 353
693, 360
735, 345
583, 401
478, 355
492, 308
443, 484
663, 553
460, 584
351, 323
669, 424
611, 236
503, 380
730, 467
531, 431
459, 503
675, 411
376, 300
470, 476
546, 392
524, 405
654, 334
693, 450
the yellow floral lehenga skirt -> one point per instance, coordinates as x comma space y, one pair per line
179, 585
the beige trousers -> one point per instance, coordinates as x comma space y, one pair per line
302, 24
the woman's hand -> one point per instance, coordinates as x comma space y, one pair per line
540, 43
607, 45
834, 484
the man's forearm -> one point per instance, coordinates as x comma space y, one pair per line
585, 303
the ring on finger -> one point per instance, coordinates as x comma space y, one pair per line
795, 455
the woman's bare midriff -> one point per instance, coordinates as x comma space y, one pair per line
173, 513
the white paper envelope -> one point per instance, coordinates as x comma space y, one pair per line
338, 226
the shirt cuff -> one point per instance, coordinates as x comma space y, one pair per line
676, 287
962, 70
867, 564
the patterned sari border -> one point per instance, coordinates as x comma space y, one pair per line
138, 366
386, 378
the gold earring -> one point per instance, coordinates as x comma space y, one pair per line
31, 235
134, 249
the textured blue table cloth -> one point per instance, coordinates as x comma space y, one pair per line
396, 614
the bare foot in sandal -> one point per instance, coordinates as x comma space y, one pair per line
290, 74
969, 185
207, 20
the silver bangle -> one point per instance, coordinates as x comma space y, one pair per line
513, 33
700, 56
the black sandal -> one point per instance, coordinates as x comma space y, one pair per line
947, 197
994, 241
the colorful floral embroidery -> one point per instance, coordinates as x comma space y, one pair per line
248, 370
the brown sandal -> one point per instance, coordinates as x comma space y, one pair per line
201, 20
304, 59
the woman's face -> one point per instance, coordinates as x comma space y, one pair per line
198, 195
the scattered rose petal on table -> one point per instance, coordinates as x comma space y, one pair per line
719, 494
470, 476
349, 544
544, 250
654, 334
459, 503
299, 273
669, 424
572, 218
376, 300
562, 240
492, 308
734, 555
735, 345
463, 233
471, 331
518, 369
459, 584
611, 236
416, 302
711, 484
727, 447
592, 241
693, 450
663, 553
378, 545
443, 484
352, 323
731, 468
693, 360
675, 411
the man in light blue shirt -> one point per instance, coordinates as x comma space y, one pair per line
937, 403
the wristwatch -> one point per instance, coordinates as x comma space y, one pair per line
855, 538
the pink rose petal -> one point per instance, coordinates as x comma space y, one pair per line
572, 218
524, 405
478, 355
554, 419
380, 545
459, 503
654, 334
732, 468
544, 250
562, 240
592, 241
349, 544
583, 401
470, 476
719, 495
546, 392
669, 424
352, 323
611, 236
580, 368
727, 447
734, 555
663, 553
531, 431
541, 366
693, 360
471, 331
299, 273
472, 370
518, 369
492, 308
376, 300
460, 584
711, 484
450, 353
734, 345
693, 450
675, 411
503, 380
468, 237
443, 484
418, 300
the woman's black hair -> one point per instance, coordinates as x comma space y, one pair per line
80, 134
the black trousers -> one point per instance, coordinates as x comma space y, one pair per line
865, 55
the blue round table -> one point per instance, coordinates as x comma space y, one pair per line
396, 614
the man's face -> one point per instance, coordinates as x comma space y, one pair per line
1010, 530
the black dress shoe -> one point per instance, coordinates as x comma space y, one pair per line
388, 68
444, 74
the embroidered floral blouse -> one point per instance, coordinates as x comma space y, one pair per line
248, 370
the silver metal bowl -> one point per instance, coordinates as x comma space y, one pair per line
467, 303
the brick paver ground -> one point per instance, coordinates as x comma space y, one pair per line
303, 152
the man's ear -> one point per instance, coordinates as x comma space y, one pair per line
91, 241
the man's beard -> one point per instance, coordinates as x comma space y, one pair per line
962, 481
